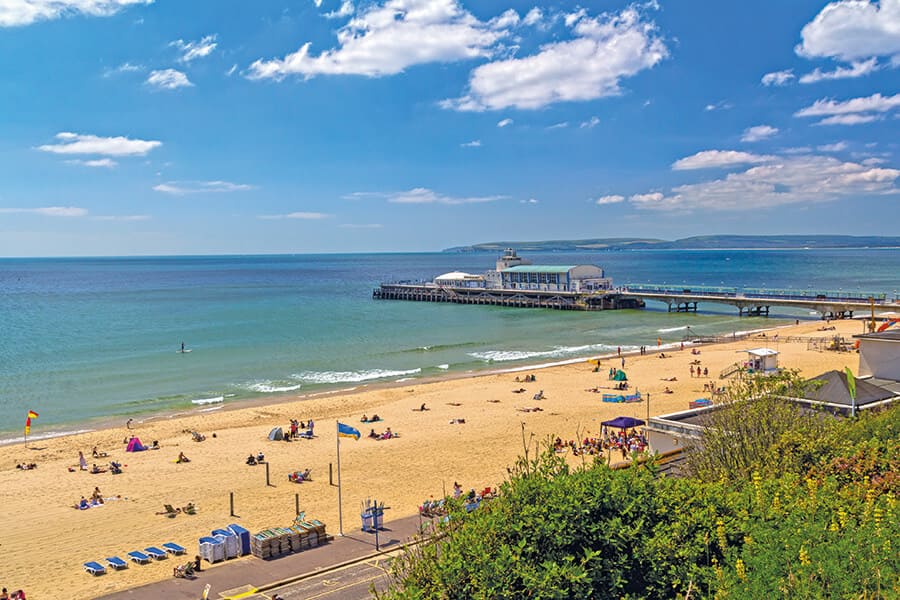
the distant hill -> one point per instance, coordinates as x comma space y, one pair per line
697, 242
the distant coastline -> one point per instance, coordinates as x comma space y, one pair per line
711, 242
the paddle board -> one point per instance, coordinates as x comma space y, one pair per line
183, 351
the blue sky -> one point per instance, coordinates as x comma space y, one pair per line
226, 126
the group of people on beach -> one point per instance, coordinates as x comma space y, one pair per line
387, 435
16, 595
704, 372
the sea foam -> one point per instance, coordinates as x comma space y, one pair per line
558, 352
215, 400
671, 329
268, 388
351, 376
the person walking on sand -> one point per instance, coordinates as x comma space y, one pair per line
82, 462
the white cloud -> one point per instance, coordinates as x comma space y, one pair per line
529, 201
318, 3
25, 12
168, 79
835, 147
604, 50
760, 132
533, 17
361, 225
107, 163
76, 143
715, 159
472, 144
48, 211
231, 71
504, 123
561, 125
427, 196
303, 216
856, 69
778, 78
804, 179
385, 39
613, 199
852, 29
125, 67
723, 105
873, 103
797, 150
590, 123
200, 187
122, 218
849, 119
345, 10
194, 50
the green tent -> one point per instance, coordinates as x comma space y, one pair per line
620, 376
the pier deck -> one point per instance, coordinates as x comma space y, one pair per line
424, 292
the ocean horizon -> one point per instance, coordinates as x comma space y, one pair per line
98, 338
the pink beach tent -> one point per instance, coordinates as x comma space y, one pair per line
135, 445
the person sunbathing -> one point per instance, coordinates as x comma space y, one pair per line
518, 391
372, 434
251, 460
98, 454
260, 457
95, 469
364, 419
182, 458
667, 390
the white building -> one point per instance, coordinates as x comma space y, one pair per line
459, 279
879, 355
762, 360
555, 278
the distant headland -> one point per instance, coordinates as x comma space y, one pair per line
704, 242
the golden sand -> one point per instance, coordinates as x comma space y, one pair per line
45, 541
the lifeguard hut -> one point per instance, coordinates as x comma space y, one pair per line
762, 360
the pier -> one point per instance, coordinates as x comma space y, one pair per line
520, 298
757, 302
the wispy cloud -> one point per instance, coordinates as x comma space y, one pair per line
721, 105
179, 188
121, 218
302, 216
106, 163
361, 225
778, 78
715, 159
590, 123
504, 123
561, 125
856, 69
612, 199
48, 211
835, 147
423, 196
345, 10
851, 112
472, 144
15, 13
759, 132
168, 79
76, 143
196, 49
125, 67
529, 201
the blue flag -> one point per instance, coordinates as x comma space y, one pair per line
347, 431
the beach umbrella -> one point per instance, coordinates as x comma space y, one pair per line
623, 422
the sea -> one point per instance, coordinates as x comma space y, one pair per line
87, 341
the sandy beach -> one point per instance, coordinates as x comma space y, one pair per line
42, 534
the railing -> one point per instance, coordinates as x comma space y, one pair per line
757, 293
730, 370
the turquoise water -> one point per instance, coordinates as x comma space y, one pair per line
97, 338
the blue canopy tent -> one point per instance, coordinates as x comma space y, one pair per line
623, 422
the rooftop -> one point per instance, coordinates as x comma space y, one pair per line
539, 269
891, 335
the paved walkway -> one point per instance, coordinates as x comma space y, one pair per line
241, 577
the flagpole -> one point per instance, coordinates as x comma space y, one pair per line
340, 512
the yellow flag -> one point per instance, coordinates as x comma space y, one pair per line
851, 383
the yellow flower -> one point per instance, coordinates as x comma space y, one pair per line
741, 570
804, 556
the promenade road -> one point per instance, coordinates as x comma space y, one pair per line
341, 570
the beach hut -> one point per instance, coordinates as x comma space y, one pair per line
135, 445
276, 435
763, 360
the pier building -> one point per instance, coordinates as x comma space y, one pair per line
517, 282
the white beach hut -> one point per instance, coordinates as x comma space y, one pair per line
762, 360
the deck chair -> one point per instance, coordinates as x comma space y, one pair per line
116, 563
156, 552
139, 557
94, 568
174, 548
